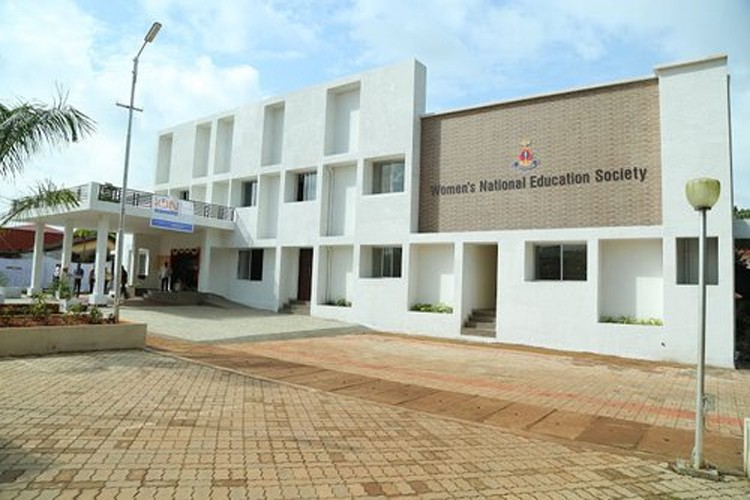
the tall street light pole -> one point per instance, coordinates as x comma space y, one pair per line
702, 193
117, 273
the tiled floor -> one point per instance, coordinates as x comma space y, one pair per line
142, 425
340, 365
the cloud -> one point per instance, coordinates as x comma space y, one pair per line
229, 27
80, 54
483, 49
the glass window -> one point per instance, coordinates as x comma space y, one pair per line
388, 177
250, 193
687, 261
306, 186
566, 262
250, 264
256, 264
386, 262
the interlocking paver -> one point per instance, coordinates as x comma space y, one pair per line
278, 441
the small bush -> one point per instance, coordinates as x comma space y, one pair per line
339, 303
95, 315
630, 320
433, 308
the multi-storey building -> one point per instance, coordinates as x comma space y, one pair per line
533, 221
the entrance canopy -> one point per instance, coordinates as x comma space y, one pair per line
103, 200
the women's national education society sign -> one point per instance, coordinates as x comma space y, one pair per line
170, 213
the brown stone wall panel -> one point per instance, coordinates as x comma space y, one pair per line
607, 128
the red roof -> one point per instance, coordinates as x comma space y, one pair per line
20, 239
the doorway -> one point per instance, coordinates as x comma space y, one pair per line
304, 279
185, 266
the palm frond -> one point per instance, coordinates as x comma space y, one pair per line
27, 127
44, 195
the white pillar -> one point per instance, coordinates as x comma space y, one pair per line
37, 262
67, 246
205, 260
102, 234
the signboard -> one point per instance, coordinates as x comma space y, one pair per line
587, 158
172, 214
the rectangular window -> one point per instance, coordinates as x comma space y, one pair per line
249, 193
250, 264
256, 264
687, 261
566, 262
388, 177
306, 186
386, 262
183, 195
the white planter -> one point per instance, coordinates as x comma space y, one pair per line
10, 292
35, 340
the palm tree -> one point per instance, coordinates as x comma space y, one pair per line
25, 129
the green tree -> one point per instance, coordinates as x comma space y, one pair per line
26, 128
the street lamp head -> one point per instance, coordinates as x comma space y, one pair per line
152, 32
702, 192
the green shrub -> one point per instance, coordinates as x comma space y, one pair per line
339, 303
433, 308
630, 320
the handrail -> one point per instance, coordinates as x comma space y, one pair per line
143, 199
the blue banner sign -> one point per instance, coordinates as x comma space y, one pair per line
172, 214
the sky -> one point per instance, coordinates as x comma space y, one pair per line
215, 55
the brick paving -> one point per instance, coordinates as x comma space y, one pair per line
138, 425
568, 396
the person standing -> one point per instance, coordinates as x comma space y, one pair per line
107, 278
77, 278
56, 274
164, 273
92, 280
123, 282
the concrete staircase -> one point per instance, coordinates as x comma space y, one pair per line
481, 323
297, 307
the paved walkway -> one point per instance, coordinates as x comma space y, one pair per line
210, 324
141, 425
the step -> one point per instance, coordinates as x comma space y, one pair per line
478, 332
483, 325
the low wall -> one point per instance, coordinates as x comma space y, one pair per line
24, 341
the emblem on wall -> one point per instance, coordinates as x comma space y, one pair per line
526, 160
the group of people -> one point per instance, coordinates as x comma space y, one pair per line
62, 274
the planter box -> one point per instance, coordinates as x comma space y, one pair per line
24, 341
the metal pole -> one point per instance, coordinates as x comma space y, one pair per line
699, 397
117, 275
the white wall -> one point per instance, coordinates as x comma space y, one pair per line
694, 118
631, 282
432, 278
340, 195
336, 274
259, 294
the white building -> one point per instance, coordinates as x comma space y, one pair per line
535, 220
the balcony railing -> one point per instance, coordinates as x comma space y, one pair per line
143, 199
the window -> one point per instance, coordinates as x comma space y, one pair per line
386, 262
306, 186
250, 264
388, 177
687, 261
250, 193
143, 262
560, 262
183, 195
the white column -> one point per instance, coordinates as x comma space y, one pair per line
67, 246
205, 260
102, 232
37, 263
